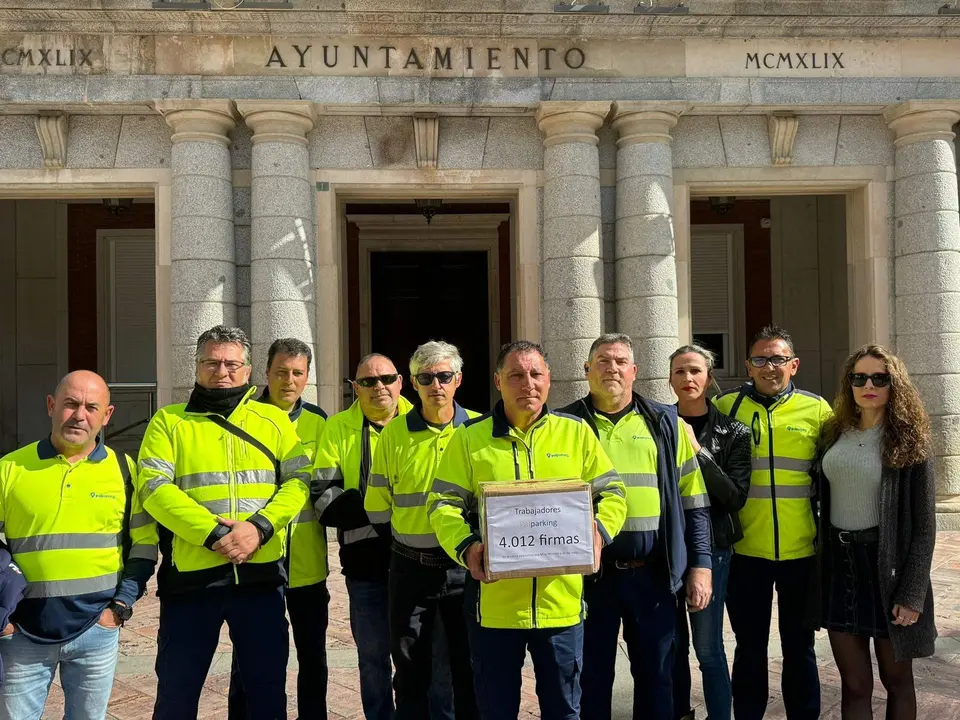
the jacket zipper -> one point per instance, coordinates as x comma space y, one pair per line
231, 491
773, 487
533, 598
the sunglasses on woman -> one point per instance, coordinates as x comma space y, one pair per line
371, 381
879, 380
444, 376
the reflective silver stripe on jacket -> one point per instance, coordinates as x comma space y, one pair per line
378, 480
379, 516
144, 552
326, 498
689, 465
423, 541
63, 588
410, 500
64, 541
639, 479
307, 515
364, 533
792, 492
162, 466
693, 502
762, 464
138, 520
464, 499
222, 506
194, 481
644, 524
602, 481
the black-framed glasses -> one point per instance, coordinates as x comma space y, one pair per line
879, 380
759, 361
372, 380
444, 376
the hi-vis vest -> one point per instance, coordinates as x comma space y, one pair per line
778, 521
488, 449
307, 553
404, 468
192, 470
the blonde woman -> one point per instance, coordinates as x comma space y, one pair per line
876, 534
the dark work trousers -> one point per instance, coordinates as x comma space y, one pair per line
308, 607
421, 598
498, 657
641, 598
749, 605
189, 633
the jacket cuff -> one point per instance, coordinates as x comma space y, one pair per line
607, 539
462, 547
263, 525
701, 560
218, 533
706, 453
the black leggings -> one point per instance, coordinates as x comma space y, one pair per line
852, 653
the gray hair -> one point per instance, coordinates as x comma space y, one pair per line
433, 353
221, 335
289, 346
709, 357
611, 339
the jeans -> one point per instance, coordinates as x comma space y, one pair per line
750, 605
87, 664
707, 628
642, 598
190, 631
422, 601
308, 608
498, 657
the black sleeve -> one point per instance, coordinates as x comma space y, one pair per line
728, 486
346, 511
915, 578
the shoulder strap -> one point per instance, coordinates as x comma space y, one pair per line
736, 404
248, 438
125, 539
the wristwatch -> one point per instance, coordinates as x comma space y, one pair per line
123, 612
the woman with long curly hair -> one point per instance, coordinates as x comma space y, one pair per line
876, 534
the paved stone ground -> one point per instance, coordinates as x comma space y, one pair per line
938, 678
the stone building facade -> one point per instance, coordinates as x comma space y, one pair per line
679, 172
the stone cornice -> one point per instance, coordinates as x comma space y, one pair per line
199, 120
277, 121
479, 24
919, 120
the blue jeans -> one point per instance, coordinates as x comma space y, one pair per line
87, 664
708, 644
498, 657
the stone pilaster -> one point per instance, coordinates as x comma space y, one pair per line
282, 242
572, 310
202, 253
646, 268
927, 269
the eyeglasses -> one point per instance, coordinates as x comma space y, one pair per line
444, 376
369, 382
879, 380
759, 361
213, 365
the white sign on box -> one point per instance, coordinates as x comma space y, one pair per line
539, 533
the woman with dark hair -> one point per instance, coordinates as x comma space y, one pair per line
876, 532
723, 452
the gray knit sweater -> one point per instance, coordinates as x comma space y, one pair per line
853, 467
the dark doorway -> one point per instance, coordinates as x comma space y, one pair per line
420, 296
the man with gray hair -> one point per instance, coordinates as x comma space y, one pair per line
426, 586
223, 475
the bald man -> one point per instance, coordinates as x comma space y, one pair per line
85, 547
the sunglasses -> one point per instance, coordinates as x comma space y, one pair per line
444, 376
759, 361
879, 380
369, 382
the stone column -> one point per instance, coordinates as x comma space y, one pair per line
927, 271
283, 241
646, 266
572, 309
202, 252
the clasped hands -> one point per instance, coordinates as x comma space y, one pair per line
240, 543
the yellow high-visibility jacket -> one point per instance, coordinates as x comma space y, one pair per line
78, 533
404, 468
488, 449
192, 471
778, 521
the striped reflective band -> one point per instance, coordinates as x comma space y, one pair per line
601, 481
781, 463
64, 541
138, 520
63, 588
152, 485
327, 498
328, 474
244, 505
645, 524
639, 479
364, 533
689, 466
420, 541
291, 465
211, 479
695, 501
378, 480
379, 516
410, 500
161, 466
307, 515
783, 491
144, 552
448, 488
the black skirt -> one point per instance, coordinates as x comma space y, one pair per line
853, 599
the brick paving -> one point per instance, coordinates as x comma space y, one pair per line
938, 678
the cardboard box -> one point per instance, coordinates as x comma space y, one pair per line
537, 528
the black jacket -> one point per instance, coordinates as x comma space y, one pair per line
908, 531
725, 459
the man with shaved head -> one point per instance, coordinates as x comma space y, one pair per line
86, 548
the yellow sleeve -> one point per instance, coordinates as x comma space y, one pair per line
294, 490
378, 501
327, 481
609, 492
144, 538
453, 497
693, 489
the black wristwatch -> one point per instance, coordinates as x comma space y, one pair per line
124, 612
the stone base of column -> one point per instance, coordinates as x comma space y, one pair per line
948, 513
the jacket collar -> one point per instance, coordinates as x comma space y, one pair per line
355, 417
47, 451
294, 411
502, 427
416, 423
243, 401
766, 400
585, 410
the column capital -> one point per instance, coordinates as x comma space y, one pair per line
278, 121
646, 121
571, 122
201, 120
919, 120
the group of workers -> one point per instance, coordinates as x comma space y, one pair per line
234, 490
